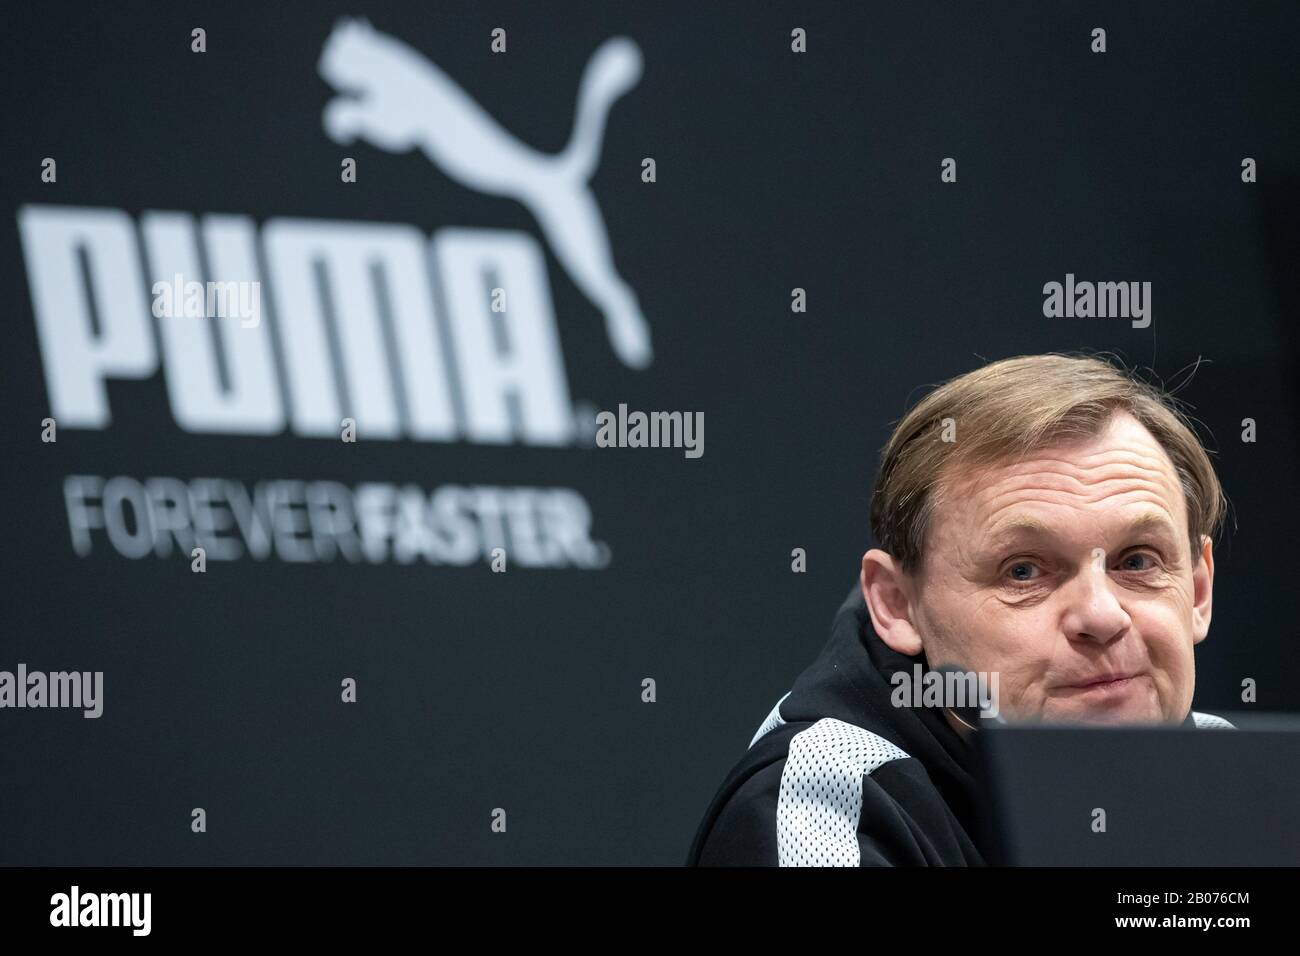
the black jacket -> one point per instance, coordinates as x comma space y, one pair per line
837, 775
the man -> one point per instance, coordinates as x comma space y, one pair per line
1045, 522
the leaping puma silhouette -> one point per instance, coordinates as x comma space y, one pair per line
398, 100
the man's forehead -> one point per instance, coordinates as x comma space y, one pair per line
1123, 467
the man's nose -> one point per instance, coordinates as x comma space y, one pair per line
1093, 612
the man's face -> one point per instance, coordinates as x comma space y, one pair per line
1071, 575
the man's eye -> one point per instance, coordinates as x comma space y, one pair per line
1022, 571
1137, 561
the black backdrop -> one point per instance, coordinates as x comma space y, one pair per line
775, 170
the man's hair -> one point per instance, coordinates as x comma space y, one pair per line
1010, 408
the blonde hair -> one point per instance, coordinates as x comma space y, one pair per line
1015, 406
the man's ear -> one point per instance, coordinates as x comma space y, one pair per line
884, 588
1202, 590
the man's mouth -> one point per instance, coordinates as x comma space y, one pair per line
1115, 682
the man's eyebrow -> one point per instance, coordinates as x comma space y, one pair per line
1153, 522
1019, 525
1029, 525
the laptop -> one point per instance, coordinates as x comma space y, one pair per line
1143, 796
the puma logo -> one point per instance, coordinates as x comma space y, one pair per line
394, 97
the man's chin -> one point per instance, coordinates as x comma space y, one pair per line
1137, 712
1112, 719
